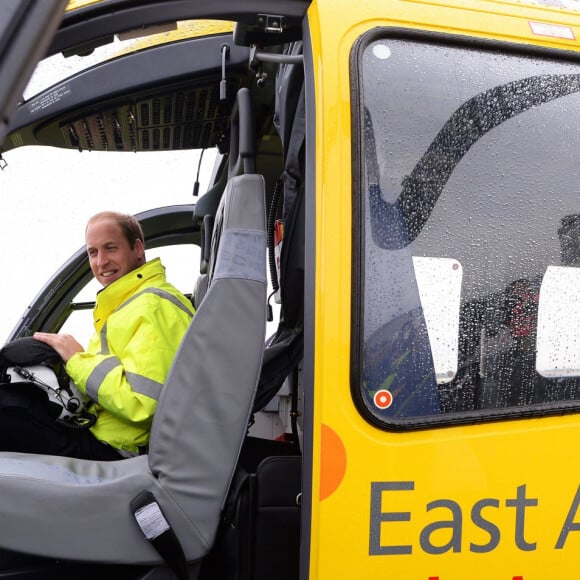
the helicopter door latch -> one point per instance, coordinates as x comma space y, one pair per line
271, 23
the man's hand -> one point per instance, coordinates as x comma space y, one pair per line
64, 344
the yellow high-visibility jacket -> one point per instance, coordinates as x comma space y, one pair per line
139, 322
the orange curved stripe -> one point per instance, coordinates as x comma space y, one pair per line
332, 461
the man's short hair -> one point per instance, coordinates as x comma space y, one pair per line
131, 228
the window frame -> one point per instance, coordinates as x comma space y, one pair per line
482, 415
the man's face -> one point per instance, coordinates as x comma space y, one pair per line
110, 254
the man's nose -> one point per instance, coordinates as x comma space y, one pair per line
101, 258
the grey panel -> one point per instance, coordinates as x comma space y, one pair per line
242, 253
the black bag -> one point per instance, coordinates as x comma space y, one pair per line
27, 351
259, 535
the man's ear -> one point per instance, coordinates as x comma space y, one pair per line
140, 247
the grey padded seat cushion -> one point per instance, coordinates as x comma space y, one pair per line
69, 508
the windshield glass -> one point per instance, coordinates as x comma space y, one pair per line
470, 166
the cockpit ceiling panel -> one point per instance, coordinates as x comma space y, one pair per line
190, 118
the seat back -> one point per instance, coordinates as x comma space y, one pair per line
202, 415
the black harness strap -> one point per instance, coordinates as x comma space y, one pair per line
159, 533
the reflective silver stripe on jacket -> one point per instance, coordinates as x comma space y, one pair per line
126, 454
98, 375
139, 383
161, 293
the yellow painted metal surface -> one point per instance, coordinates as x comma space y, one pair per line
502, 496
74, 4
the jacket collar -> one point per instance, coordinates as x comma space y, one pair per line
112, 296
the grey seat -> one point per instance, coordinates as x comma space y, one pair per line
68, 508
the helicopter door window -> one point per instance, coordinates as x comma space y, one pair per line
456, 175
